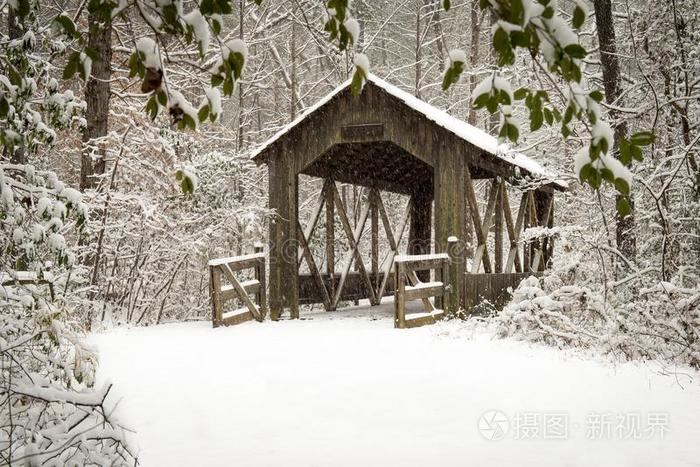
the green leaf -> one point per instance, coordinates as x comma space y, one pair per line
452, 75
162, 98
501, 43
607, 174
67, 25
622, 186
636, 153
623, 206
358, 81
536, 120
503, 97
216, 80
481, 101
492, 104
228, 87
516, 12
152, 107
4, 107
596, 96
71, 66
579, 17
568, 114
513, 133
446, 4
642, 138
237, 63
520, 94
575, 51
585, 172
557, 115
548, 116
625, 152
203, 113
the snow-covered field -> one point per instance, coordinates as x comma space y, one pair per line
346, 389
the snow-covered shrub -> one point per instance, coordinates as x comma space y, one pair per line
50, 413
575, 305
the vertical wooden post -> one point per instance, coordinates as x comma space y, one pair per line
374, 215
262, 293
498, 229
283, 187
399, 294
550, 240
527, 223
420, 231
215, 287
544, 201
450, 273
330, 239
450, 198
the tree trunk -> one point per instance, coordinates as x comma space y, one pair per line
474, 56
97, 93
241, 18
611, 82
418, 70
15, 31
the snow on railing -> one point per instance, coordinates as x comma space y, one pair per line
409, 287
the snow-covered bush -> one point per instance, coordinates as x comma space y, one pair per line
50, 413
575, 305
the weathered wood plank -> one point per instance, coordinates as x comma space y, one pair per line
480, 252
353, 239
242, 294
313, 269
215, 291
491, 287
400, 295
414, 281
330, 239
394, 242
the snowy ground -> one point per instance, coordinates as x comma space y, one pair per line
346, 389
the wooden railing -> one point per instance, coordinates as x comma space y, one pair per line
409, 287
235, 289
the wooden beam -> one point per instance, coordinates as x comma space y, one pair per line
498, 229
313, 269
315, 215
242, 294
400, 296
480, 250
413, 279
330, 238
215, 290
374, 222
394, 242
283, 287
353, 239
514, 231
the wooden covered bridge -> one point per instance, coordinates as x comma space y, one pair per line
386, 140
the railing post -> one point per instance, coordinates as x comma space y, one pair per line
399, 295
450, 277
215, 290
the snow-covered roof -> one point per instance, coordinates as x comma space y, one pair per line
460, 128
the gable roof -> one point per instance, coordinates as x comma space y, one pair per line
460, 128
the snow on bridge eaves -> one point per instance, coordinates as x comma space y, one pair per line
460, 128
